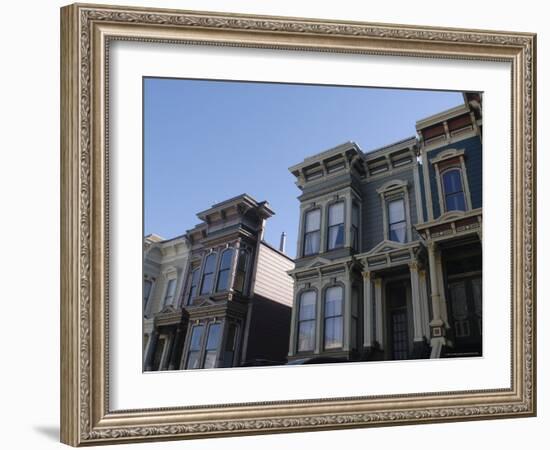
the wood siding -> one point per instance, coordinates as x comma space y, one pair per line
272, 281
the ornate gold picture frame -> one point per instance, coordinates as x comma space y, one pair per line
87, 31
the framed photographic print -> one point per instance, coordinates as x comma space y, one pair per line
276, 224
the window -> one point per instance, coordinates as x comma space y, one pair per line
159, 351
193, 285
147, 285
208, 275
336, 226
355, 226
230, 345
170, 291
312, 233
397, 222
224, 271
240, 275
453, 191
211, 351
334, 317
306, 321
193, 356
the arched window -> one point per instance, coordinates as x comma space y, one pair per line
336, 225
334, 323
306, 321
194, 284
453, 190
312, 232
240, 275
225, 270
193, 356
212, 343
208, 274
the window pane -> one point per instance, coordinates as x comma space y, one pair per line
312, 243
210, 359
207, 280
398, 232
313, 220
213, 336
396, 211
455, 202
333, 301
307, 305
225, 263
336, 214
210, 264
306, 336
336, 237
196, 336
193, 360
223, 280
170, 291
452, 181
333, 332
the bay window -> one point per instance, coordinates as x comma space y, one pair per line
224, 271
193, 284
306, 321
312, 232
194, 353
208, 274
240, 274
212, 343
336, 226
334, 320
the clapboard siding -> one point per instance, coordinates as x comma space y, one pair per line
272, 280
372, 214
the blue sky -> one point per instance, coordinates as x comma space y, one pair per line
206, 141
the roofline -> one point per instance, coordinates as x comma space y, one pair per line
441, 116
312, 159
389, 147
267, 244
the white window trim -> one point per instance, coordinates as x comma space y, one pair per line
445, 156
302, 239
390, 189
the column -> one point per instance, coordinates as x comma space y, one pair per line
424, 308
434, 285
437, 340
319, 318
379, 317
415, 291
442, 300
347, 312
151, 347
368, 311
347, 221
293, 314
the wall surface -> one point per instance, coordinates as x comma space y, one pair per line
29, 182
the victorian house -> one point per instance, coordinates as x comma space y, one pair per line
222, 297
388, 262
